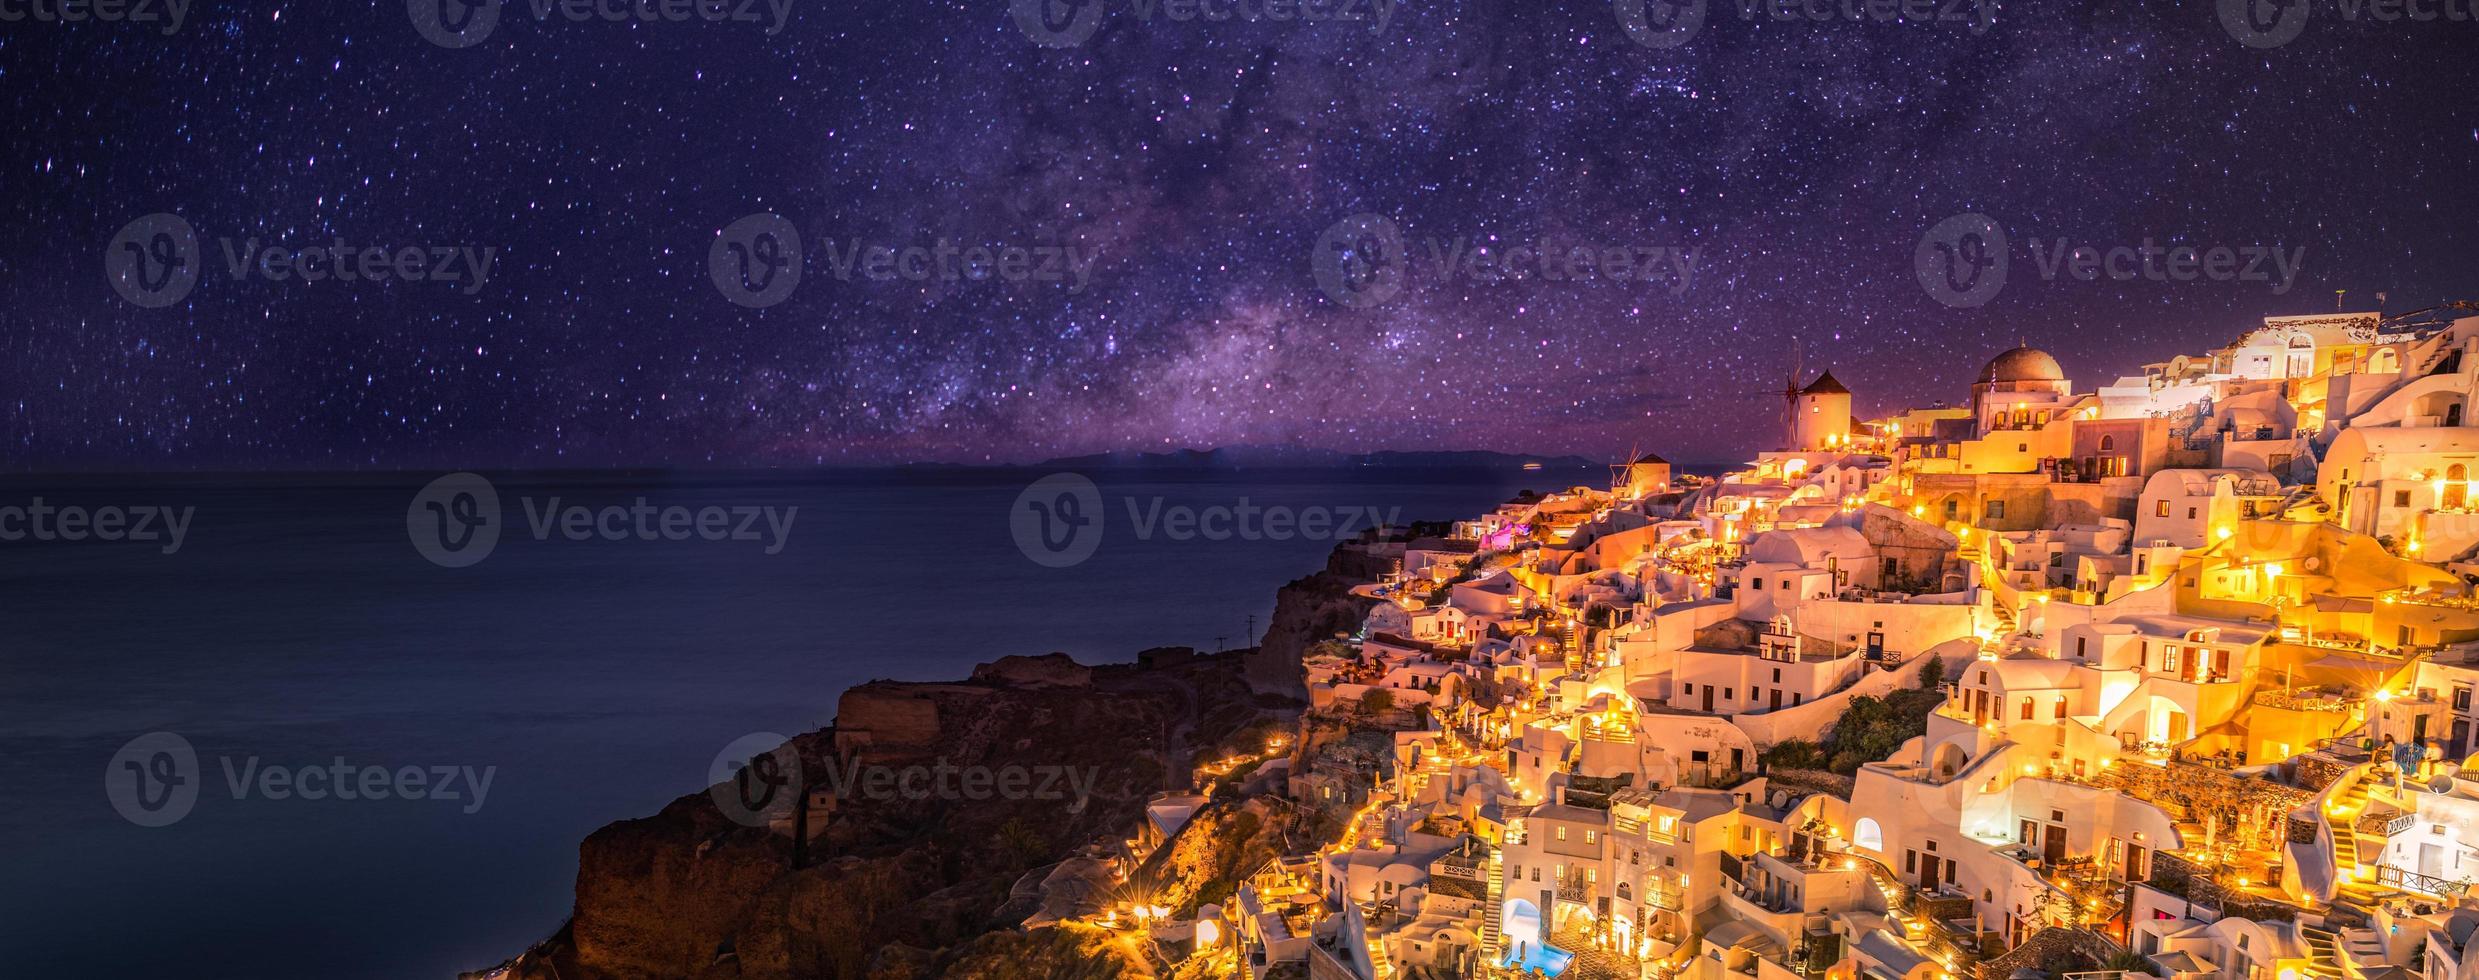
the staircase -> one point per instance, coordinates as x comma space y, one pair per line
2323, 954
2352, 849
1492, 943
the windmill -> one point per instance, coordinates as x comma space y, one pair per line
1789, 393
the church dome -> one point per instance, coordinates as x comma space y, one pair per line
2022, 364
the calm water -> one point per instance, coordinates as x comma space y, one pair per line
297, 624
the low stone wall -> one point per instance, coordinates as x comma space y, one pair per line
2048, 945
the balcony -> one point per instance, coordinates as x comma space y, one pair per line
2416, 882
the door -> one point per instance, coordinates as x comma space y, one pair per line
2054, 851
2031, 832
2138, 863
1928, 872
1777, 699
1708, 697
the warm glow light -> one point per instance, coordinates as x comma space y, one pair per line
2384, 695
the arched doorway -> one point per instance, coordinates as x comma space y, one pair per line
1521, 922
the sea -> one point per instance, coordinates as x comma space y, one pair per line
182, 716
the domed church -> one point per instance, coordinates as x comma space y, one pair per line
2019, 389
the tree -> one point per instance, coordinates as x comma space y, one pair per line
1377, 701
1932, 674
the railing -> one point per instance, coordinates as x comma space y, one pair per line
2414, 881
1573, 887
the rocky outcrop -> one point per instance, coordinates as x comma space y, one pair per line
1047, 670
1306, 611
903, 881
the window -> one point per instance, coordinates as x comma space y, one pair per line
1997, 510
2060, 710
2401, 498
1730, 694
2190, 513
2108, 444
1777, 675
1756, 583
1592, 837
1690, 688
2161, 509
1562, 833
2026, 709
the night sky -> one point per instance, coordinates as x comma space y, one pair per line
1197, 165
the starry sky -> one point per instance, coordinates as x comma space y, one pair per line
1197, 165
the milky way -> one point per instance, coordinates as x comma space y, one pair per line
1195, 165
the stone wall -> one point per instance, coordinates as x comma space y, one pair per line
2046, 946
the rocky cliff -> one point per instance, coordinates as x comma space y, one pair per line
908, 880
927, 872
